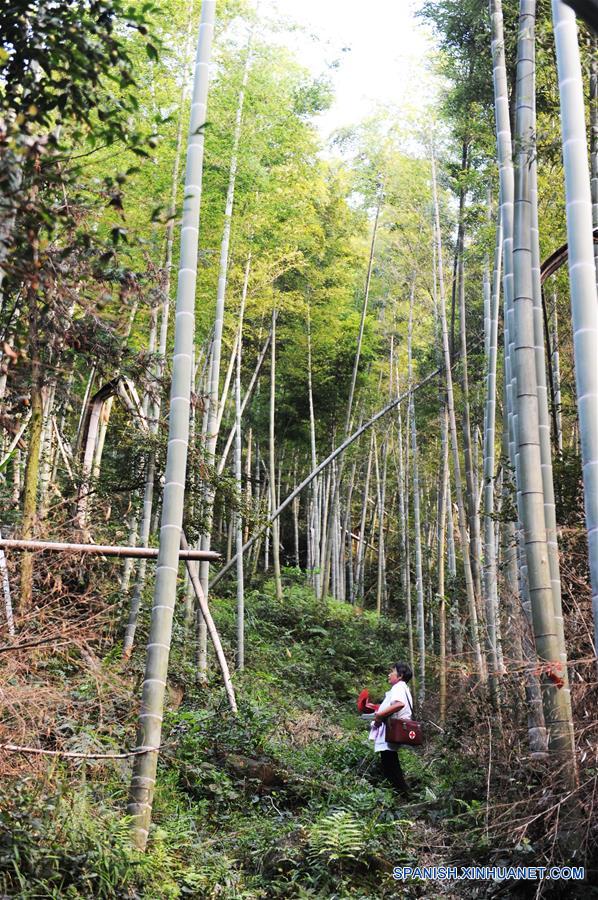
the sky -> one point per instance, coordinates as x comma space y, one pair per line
382, 52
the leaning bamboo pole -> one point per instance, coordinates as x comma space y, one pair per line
582, 272
150, 718
320, 468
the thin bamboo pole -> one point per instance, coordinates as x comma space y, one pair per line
419, 585
469, 587
10, 622
490, 567
440, 593
213, 397
211, 627
272, 463
556, 372
240, 656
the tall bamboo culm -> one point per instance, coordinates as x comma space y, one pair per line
536, 725
582, 272
556, 707
150, 718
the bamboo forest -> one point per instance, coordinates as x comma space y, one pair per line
298, 449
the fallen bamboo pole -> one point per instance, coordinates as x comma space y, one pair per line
104, 550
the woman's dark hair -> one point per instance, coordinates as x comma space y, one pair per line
404, 671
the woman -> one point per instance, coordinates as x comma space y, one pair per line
397, 701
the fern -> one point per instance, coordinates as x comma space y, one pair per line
336, 837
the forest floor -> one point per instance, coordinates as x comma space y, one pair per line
283, 801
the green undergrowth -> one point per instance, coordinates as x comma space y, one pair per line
283, 800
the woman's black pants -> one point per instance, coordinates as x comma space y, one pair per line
391, 766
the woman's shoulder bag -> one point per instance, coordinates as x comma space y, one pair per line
404, 731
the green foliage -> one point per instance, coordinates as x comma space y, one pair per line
336, 837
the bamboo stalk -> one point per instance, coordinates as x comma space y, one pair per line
469, 586
419, 585
556, 707
240, 657
582, 270
271, 463
150, 719
490, 569
10, 622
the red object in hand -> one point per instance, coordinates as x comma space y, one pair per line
364, 705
